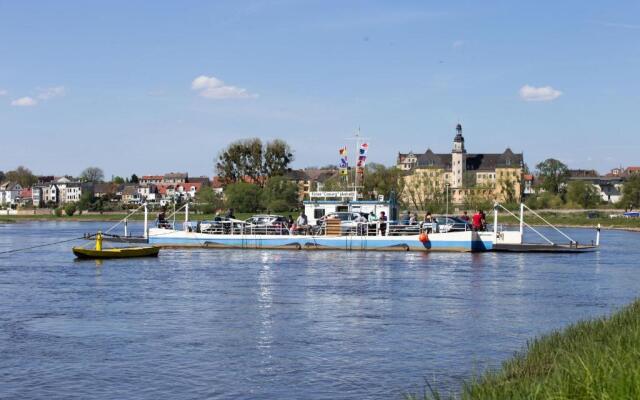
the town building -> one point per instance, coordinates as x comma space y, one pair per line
9, 193
459, 175
151, 179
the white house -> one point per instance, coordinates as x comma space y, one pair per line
51, 194
71, 192
9, 193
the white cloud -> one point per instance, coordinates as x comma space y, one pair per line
24, 102
3, 92
457, 44
617, 25
213, 88
543, 93
51, 92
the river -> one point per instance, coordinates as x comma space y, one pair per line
219, 324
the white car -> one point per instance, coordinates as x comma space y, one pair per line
347, 219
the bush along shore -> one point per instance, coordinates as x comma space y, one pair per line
595, 359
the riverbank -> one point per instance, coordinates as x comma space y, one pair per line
105, 217
595, 359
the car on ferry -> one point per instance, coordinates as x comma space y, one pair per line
267, 219
448, 224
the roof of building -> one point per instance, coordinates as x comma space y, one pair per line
105, 188
217, 183
583, 173
204, 180
297, 175
318, 173
10, 186
26, 192
176, 175
130, 190
152, 177
474, 162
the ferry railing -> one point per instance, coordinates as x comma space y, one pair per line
524, 223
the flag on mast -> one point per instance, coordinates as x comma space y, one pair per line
362, 158
344, 162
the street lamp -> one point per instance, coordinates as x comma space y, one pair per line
447, 199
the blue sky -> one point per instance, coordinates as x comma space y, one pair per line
115, 84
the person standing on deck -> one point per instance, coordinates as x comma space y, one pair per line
412, 219
383, 223
477, 221
302, 223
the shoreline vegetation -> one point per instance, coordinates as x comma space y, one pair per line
560, 218
592, 359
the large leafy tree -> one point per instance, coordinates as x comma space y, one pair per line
208, 201
582, 193
134, 179
21, 175
552, 174
277, 157
631, 192
280, 194
1, 176
92, 174
250, 159
243, 197
380, 180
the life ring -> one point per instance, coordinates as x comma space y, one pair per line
423, 237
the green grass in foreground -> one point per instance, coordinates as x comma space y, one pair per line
596, 359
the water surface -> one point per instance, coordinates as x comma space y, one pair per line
217, 324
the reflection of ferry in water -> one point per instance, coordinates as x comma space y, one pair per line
363, 231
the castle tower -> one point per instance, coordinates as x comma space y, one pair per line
458, 159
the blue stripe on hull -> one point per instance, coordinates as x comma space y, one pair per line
318, 243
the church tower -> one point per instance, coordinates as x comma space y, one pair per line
458, 159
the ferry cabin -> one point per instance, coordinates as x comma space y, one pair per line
322, 204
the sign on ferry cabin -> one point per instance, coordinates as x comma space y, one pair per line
325, 203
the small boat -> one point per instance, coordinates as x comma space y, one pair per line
117, 252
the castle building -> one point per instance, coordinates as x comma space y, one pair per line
461, 176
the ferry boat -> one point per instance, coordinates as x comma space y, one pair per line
336, 221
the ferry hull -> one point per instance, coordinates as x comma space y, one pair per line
453, 241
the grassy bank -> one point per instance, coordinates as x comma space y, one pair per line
596, 359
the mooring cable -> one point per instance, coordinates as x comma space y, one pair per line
41, 245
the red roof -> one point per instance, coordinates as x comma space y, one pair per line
216, 182
528, 177
26, 193
633, 169
152, 177
162, 189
